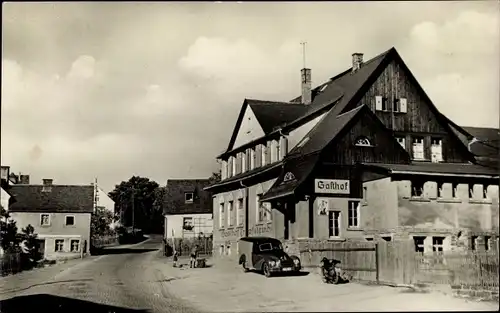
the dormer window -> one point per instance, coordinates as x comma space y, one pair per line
363, 142
188, 197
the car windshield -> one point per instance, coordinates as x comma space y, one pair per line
270, 246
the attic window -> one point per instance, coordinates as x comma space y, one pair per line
303, 142
188, 196
363, 142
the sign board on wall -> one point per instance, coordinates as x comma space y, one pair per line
332, 186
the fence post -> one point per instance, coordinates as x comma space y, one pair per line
377, 263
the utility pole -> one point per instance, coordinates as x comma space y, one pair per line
133, 209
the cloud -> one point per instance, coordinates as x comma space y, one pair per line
453, 61
83, 67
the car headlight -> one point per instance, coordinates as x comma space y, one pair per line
272, 263
296, 261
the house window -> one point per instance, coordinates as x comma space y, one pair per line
363, 141
260, 209
380, 103
241, 212
369, 239
417, 188
278, 150
59, 245
283, 147
334, 223
188, 197
252, 158
419, 244
401, 141
436, 150
221, 215
230, 217
353, 214
268, 211
243, 162
437, 244
487, 243
187, 224
263, 151
418, 148
473, 243
387, 238
70, 220
44, 219
234, 163
75, 245
454, 189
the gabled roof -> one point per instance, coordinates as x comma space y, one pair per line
174, 201
490, 136
61, 198
271, 114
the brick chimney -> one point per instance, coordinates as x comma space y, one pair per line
357, 61
24, 179
306, 85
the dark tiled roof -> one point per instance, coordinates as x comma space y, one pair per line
174, 198
442, 168
325, 131
484, 134
271, 114
61, 198
297, 170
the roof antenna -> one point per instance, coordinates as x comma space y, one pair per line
304, 52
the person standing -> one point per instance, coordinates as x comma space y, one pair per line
194, 256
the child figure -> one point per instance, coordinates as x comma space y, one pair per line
194, 256
175, 258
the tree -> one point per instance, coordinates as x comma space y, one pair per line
215, 178
9, 238
30, 240
100, 223
134, 201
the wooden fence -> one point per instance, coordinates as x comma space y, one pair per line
184, 246
396, 262
10, 263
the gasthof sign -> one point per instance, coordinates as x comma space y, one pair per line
332, 186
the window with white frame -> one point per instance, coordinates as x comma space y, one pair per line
59, 245
353, 213
437, 244
188, 197
234, 164
231, 215
44, 219
263, 151
240, 212
436, 150
381, 103
230, 162
75, 245
402, 141
334, 223
243, 162
417, 188
418, 148
268, 211
70, 220
259, 209
221, 215
419, 243
253, 156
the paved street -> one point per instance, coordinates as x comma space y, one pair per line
120, 281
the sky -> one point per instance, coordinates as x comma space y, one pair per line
111, 90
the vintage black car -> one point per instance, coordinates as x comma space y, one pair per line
266, 255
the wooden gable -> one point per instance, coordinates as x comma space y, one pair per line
400, 103
365, 140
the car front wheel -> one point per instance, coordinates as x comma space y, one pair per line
266, 270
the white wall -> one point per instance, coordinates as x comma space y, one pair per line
250, 129
201, 222
5, 199
105, 201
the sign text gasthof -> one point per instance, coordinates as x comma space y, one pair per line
332, 186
